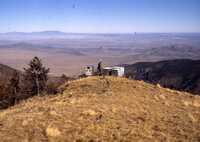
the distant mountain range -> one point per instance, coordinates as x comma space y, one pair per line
53, 33
117, 36
47, 35
35, 33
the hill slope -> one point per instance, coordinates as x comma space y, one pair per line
182, 74
110, 109
6, 73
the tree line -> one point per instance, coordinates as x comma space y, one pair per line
32, 82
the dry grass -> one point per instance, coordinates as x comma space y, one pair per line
110, 109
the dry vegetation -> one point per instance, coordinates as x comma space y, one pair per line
110, 109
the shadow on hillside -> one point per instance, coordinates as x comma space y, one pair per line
182, 74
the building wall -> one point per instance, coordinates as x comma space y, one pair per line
89, 70
114, 71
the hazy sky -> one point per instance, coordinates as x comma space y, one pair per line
104, 16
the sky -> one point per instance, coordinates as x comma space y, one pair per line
100, 16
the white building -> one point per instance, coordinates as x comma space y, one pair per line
114, 71
120, 70
89, 70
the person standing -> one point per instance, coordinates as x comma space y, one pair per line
99, 68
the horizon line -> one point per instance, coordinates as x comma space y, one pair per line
64, 32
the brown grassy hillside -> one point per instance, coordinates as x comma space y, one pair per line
111, 109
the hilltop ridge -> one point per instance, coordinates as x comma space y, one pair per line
105, 109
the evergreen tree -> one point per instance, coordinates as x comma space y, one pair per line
36, 77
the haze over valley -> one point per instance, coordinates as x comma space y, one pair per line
68, 53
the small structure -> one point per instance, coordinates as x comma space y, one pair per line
108, 71
114, 71
89, 70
